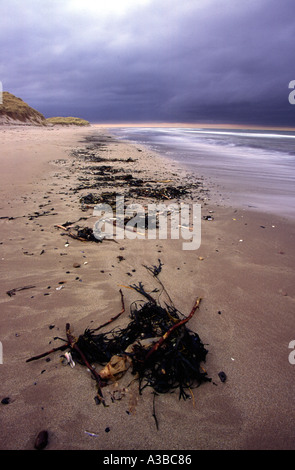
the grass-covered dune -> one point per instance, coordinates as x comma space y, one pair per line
14, 110
67, 121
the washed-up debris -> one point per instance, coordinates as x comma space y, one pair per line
41, 214
41, 440
69, 359
160, 193
81, 233
92, 434
12, 292
222, 376
106, 197
6, 401
155, 270
156, 347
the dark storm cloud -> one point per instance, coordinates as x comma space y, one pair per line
193, 61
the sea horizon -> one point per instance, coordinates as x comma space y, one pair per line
200, 125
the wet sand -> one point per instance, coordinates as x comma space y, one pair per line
243, 270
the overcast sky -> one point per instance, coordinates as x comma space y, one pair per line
216, 61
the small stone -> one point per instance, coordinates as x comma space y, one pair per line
41, 440
76, 265
5, 401
222, 376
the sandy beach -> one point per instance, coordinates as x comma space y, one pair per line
243, 271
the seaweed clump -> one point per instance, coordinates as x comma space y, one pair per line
156, 346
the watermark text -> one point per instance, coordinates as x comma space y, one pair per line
292, 93
154, 221
292, 353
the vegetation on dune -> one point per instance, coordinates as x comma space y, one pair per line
67, 121
16, 109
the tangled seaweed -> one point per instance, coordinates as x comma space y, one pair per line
156, 346
176, 363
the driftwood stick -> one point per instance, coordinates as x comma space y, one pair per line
61, 226
12, 292
73, 343
60, 348
172, 328
115, 317
70, 234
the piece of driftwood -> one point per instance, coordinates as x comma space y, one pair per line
113, 318
12, 292
87, 237
39, 356
172, 328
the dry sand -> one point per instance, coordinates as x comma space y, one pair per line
245, 277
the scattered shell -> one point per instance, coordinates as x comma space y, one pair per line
93, 434
69, 358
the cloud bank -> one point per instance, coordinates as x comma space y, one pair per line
146, 60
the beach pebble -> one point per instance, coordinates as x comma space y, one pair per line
41, 440
5, 401
76, 265
283, 292
222, 376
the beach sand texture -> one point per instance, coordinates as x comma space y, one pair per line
243, 270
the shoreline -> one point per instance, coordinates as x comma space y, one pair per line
235, 181
243, 270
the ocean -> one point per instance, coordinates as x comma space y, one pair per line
250, 169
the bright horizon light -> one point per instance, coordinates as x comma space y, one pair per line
105, 7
